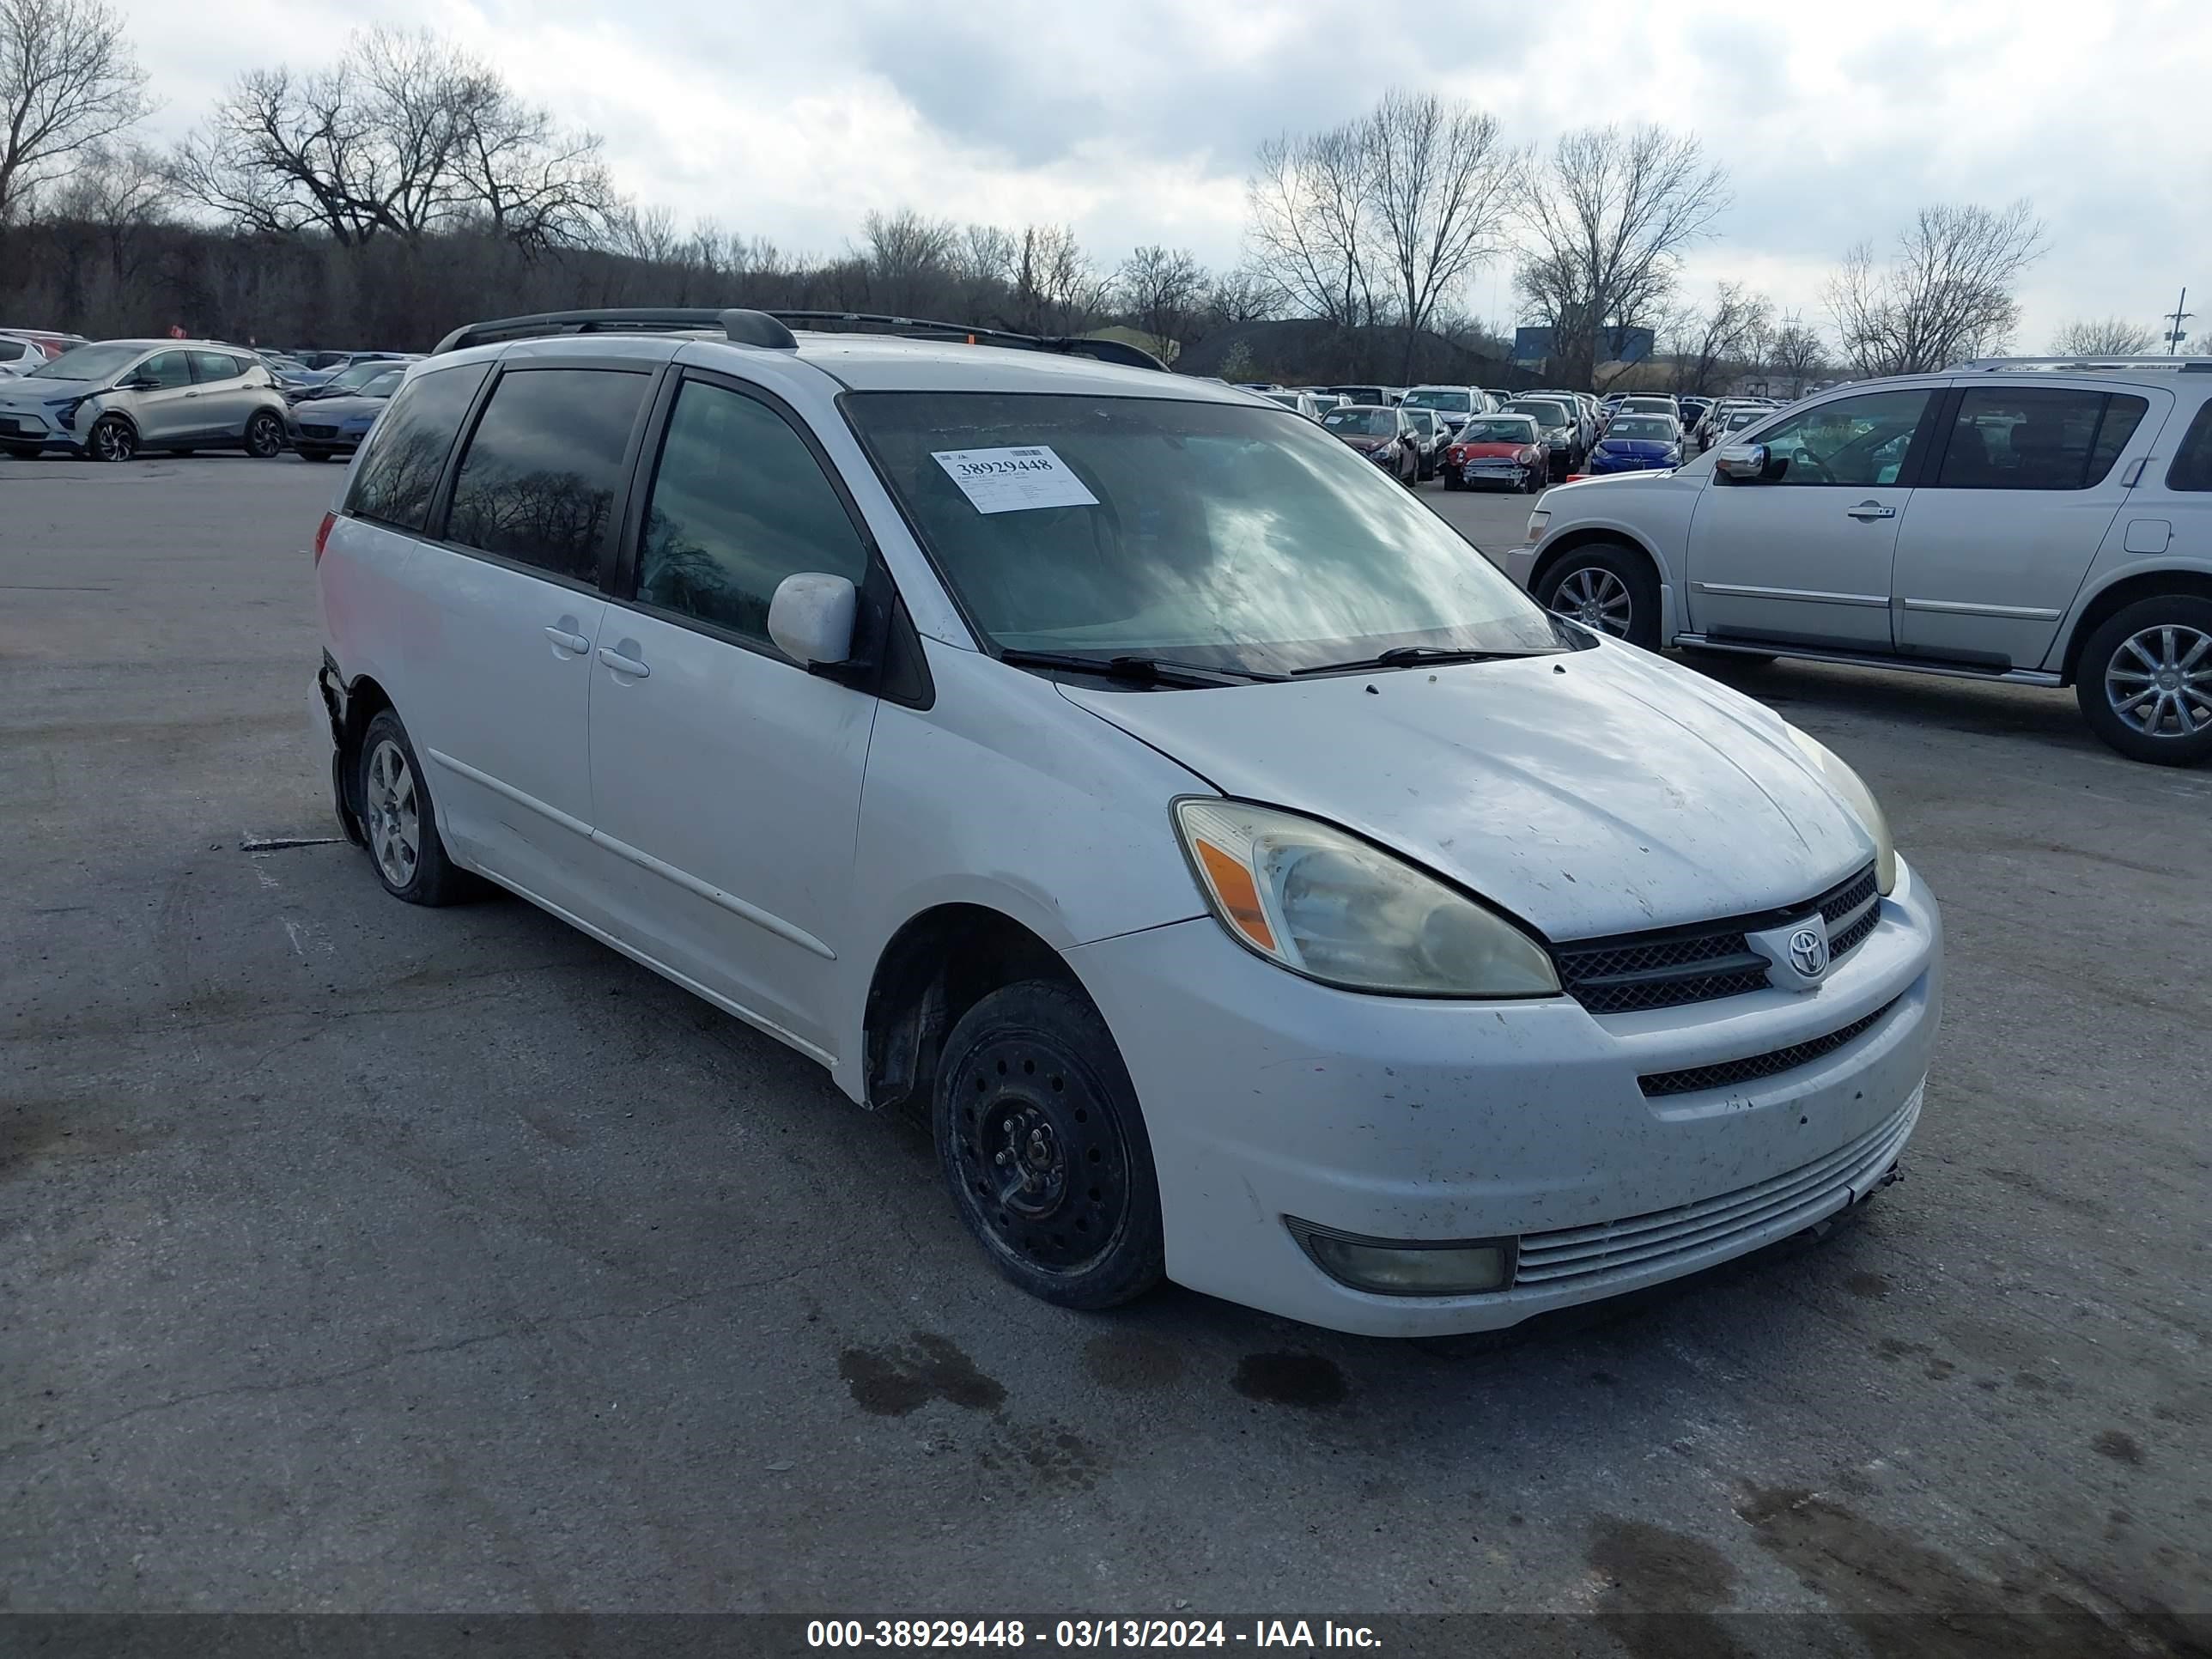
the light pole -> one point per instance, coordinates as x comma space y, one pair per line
2177, 317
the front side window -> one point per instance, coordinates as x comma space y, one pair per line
739, 503
1212, 534
537, 481
166, 370
2036, 438
2192, 462
397, 472
1853, 441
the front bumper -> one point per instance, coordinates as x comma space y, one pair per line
1267, 1095
30, 425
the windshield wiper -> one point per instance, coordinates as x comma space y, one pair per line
1145, 671
1412, 656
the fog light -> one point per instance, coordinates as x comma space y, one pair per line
1408, 1267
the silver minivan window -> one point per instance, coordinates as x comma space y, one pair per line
1218, 534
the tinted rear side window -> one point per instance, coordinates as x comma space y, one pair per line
538, 479
2192, 462
397, 472
2036, 438
216, 366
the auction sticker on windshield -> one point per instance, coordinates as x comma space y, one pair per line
1013, 480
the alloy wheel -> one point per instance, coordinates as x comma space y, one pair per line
265, 437
111, 441
395, 819
2160, 681
1596, 598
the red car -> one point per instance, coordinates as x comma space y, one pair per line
1498, 449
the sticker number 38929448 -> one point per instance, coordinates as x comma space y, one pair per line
1013, 480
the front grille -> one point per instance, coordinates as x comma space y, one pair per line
1628, 1249
1727, 1073
1706, 960
321, 431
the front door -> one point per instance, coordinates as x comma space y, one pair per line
167, 412
2001, 536
726, 779
1803, 556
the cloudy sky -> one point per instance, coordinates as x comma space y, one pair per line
1135, 120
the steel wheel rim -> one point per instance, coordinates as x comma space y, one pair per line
111, 443
2160, 681
262, 437
1595, 597
395, 819
1042, 1160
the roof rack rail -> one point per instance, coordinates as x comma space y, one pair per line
2089, 364
742, 328
773, 329
924, 328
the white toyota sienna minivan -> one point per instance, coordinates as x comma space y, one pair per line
1253, 886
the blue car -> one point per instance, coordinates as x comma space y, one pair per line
1637, 443
324, 427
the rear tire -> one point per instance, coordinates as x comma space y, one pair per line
1608, 586
264, 436
401, 821
2144, 680
1041, 1139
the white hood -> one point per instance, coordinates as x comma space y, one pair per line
1591, 792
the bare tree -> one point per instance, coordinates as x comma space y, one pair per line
1797, 355
1054, 288
1607, 216
1241, 295
404, 135
1440, 184
1308, 228
1947, 295
69, 82
1718, 338
909, 258
1162, 290
2104, 337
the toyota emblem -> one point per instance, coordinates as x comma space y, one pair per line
1808, 952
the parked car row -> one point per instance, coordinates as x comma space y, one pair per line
22, 349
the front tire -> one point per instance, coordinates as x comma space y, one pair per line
2144, 680
111, 440
1451, 479
265, 437
402, 824
309, 453
1607, 587
1041, 1141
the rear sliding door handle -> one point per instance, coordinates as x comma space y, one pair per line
568, 641
1871, 510
621, 664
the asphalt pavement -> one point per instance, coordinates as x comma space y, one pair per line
357, 1257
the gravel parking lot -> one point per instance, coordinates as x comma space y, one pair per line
360, 1257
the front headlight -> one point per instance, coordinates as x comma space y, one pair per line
1323, 904
1859, 799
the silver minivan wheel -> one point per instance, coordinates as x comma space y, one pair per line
2160, 681
393, 814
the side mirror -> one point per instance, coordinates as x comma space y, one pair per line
1745, 463
137, 383
811, 618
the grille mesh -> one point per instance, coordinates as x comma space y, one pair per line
1754, 1066
1637, 971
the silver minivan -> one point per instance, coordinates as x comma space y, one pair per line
109, 400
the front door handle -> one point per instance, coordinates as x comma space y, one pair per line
623, 665
575, 644
1871, 510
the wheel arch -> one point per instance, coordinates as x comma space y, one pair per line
2115, 596
365, 699
939, 963
1585, 536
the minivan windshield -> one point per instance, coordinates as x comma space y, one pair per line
1216, 534
89, 362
